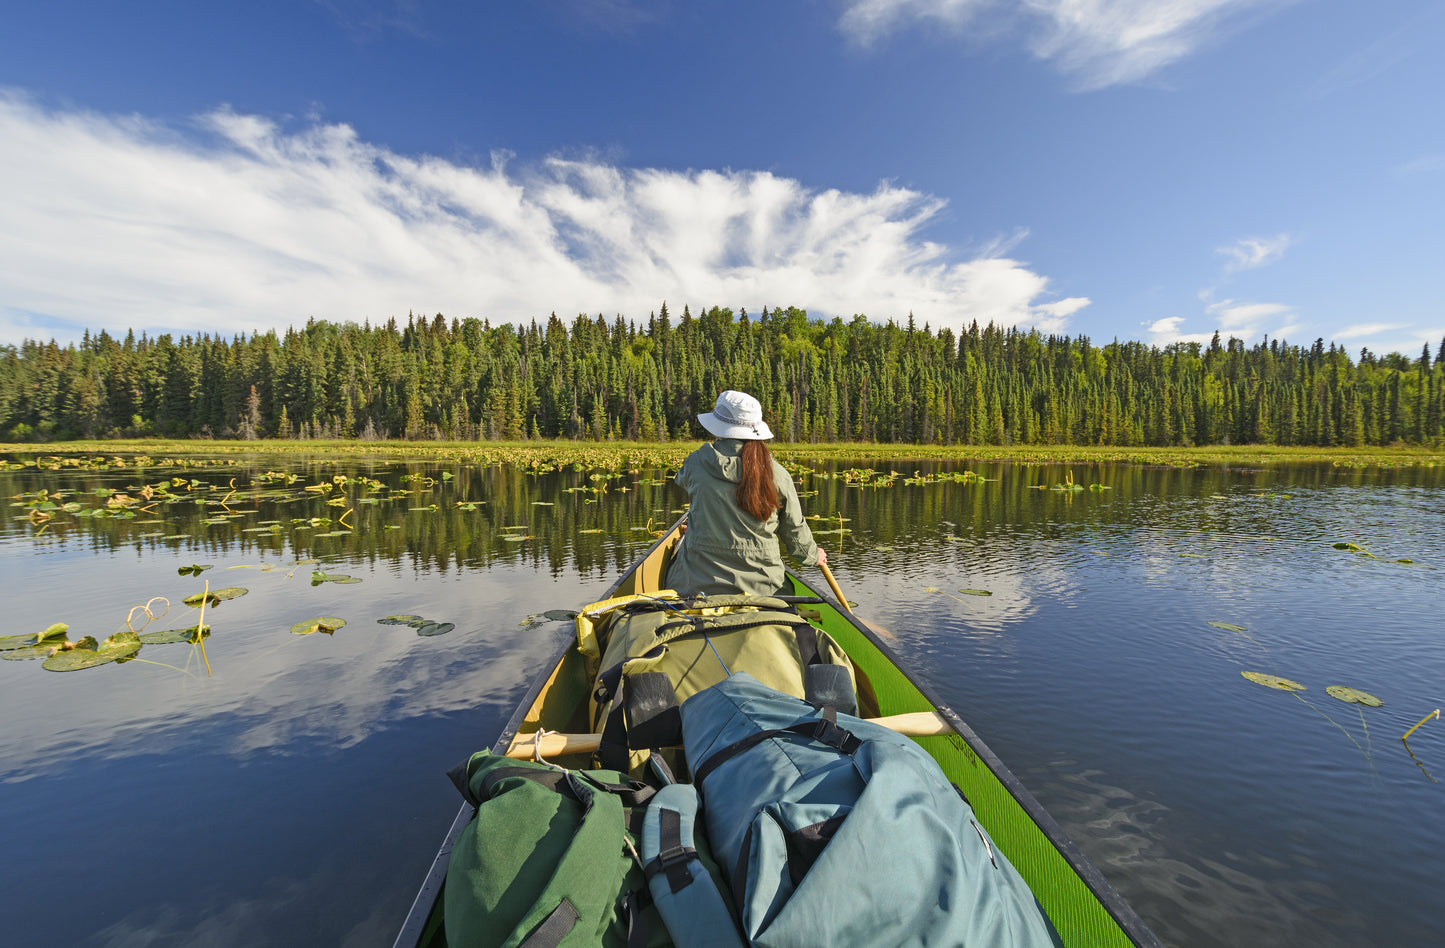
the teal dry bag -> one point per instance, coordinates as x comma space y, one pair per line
836, 831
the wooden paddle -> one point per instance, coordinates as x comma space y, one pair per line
843, 601
912, 724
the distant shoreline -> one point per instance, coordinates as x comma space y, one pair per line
626, 454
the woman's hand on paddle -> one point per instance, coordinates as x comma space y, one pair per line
822, 557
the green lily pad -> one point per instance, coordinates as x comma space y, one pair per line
86, 654
53, 635
560, 615
1274, 681
326, 624
410, 620
317, 578
1353, 696
215, 596
1229, 626
194, 569
435, 628
976, 592
171, 636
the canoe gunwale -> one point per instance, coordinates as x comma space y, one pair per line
1118, 908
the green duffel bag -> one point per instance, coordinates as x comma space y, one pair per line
549, 860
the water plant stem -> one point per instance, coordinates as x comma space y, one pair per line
1433, 714
201, 627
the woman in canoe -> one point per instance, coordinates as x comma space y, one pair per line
742, 504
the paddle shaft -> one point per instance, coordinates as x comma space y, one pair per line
912, 724
843, 601
833, 584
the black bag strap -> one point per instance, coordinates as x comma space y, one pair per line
673, 857
554, 927
824, 730
576, 784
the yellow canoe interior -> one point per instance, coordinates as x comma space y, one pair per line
1083, 906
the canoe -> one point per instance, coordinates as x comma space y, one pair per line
1084, 908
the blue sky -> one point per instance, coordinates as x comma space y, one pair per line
1140, 169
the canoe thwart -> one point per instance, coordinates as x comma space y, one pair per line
555, 744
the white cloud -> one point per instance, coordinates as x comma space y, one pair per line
1230, 318
866, 21
1097, 42
1367, 329
1248, 253
240, 224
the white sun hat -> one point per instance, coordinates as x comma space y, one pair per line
736, 415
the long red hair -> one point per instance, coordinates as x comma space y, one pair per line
757, 493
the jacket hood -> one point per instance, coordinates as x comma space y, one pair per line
724, 459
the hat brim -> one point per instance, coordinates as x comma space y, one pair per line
722, 429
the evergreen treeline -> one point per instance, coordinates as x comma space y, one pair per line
818, 381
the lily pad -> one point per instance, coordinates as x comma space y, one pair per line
435, 628
560, 615
317, 578
410, 620
1229, 626
326, 624
86, 654
1353, 696
975, 592
53, 635
1274, 681
171, 636
215, 596
195, 569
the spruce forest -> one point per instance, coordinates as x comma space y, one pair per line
819, 381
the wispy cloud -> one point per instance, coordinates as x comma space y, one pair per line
1248, 253
1425, 164
1230, 318
239, 224
1367, 329
1098, 43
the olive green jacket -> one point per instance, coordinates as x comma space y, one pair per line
725, 550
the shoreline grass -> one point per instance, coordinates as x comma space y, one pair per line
618, 454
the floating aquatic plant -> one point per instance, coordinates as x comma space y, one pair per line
215, 596
424, 627
1228, 626
192, 635
326, 624
1353, 696
195, 569
20, 648
1273, 681
53, 633
1354, 548
87, 654
317, 578
975, 592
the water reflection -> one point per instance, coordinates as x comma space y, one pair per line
311, 765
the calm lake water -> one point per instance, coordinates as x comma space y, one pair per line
296, 793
